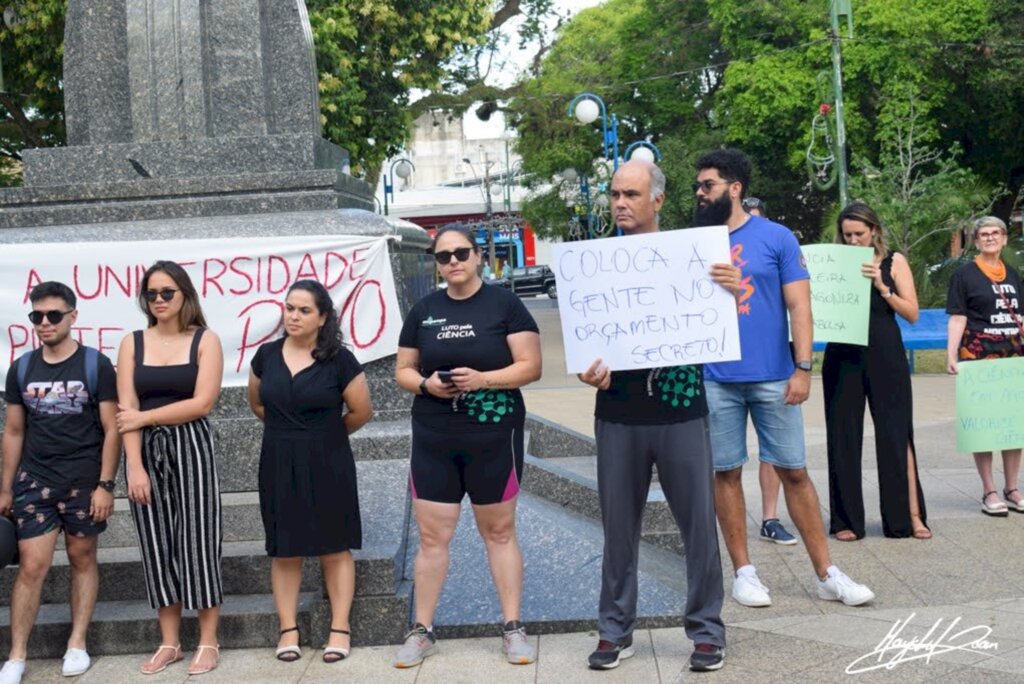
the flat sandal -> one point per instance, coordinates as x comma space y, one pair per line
153, 665
333, 654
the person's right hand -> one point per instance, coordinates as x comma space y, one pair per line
138, 486
598, 375
441, 389
952, 366
6, 501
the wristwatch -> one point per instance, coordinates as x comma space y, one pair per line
423, 388
106, 484
804, 366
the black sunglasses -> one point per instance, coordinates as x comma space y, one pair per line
706, 185
445, 257
166, 294
54, 317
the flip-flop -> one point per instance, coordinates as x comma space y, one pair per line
848, 536
998, 509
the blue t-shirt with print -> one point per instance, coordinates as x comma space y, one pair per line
769, 257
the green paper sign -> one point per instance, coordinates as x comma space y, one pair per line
840, 295
990, 405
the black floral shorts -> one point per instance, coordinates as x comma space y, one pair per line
39, 509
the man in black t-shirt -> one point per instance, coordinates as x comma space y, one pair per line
649, 417
60, 451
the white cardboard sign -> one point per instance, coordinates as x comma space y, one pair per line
645, 301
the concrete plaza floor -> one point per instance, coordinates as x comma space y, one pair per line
958, 589
952, 590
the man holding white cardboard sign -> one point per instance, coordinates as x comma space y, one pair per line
655, 412
765, 384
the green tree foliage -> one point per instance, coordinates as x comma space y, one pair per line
32, 102
746, 73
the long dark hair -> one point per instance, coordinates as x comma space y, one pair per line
328, 339
464, 231
191, 311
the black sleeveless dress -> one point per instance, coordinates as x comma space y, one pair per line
880, 374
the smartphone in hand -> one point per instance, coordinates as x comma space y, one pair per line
445, 377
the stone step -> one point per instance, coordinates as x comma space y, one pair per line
247, 621
571, 482
245, 569
562, 553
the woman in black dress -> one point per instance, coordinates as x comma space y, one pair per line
985, 323
299, 386
168, 381
879, 373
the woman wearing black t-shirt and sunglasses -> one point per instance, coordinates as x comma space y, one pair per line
464, 352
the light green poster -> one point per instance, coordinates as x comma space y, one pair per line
990, 405
840, 295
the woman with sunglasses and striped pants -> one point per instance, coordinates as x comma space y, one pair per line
168, 381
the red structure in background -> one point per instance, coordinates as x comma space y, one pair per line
518, 246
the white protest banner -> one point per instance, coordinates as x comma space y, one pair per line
241, 285
645, 301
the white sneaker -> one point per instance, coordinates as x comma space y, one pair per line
838, 587
76, 662
748, 591
12, 671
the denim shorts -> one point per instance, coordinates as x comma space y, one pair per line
780, 427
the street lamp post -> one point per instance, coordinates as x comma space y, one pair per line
488, 210
587, 107
402, 168
643, 150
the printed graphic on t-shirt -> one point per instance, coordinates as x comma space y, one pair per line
455, 331
679, 386
56, 398
489, 406
746, 284
1004, 320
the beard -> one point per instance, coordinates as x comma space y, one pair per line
714, 213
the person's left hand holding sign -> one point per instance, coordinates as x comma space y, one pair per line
728, 276
598, 375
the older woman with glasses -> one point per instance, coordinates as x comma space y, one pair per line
985, 323
464, 352
878, 373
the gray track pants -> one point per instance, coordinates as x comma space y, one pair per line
682, 454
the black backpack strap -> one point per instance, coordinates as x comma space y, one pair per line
92, 371
193, 354
24, 362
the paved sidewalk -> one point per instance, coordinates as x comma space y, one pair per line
961, 586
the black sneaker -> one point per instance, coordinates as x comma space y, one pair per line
707, 657
608, 654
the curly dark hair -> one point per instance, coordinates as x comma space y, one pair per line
191, 311
328, 340
731, 164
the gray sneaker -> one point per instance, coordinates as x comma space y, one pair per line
420, 642
518, 649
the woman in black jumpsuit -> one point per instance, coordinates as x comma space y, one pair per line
880, 374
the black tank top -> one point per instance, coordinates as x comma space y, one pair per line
158, 386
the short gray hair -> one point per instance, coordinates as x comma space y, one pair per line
657, 182
987, 222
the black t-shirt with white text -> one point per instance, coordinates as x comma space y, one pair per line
452, 333
63, 436
653, 396
989, 307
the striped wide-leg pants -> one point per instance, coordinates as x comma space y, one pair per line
180, 530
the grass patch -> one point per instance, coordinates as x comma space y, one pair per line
925, 361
